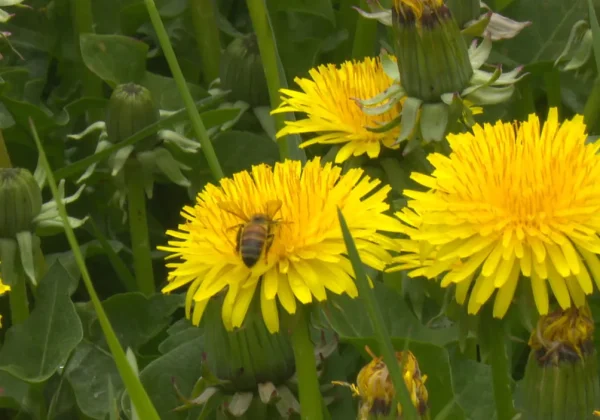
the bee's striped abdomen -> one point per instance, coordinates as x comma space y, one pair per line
252, 242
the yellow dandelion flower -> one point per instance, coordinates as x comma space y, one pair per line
417, 7
376, 391
329, 99
305, 256
510, 199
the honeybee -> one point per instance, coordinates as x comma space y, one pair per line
256, 234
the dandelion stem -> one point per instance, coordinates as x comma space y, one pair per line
306, 368
197, 124
365, 35
83, 23
138, 226
19, 304
4, 156
501, 377
275, 74
204, 20
409, 412
592, 106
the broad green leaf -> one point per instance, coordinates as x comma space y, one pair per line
115, 59
137, 318
17, 394
347, 317
180, 333
165, 93
35, 349
181, 366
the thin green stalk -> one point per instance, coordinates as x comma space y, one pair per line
409, 412
83, 22
365, 36
591, 111
4, 156
306, 368
197, 124
288, 147
19, 303
134, 387
204, 20
138, 228
501, 376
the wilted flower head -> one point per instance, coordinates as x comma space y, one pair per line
329, 100
510, 199
299, 256
376, 391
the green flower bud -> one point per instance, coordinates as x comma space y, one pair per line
130, 109
561, 376
20, 199
433, 58
242, 72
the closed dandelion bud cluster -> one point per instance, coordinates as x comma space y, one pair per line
242, 72
20, 201
376, 391
432, 55
131, 108
561, 377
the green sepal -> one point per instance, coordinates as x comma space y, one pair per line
410, 115
478, 27
119, 159
164, 161
8, 261
434, 120
25, 242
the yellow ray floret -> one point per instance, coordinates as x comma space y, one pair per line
511, 201
329, 100
307, 256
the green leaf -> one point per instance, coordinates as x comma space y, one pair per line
115, 59
595, 32
321, 8
165, 93
346, 316
17, 394
137, 318
181, 367
35, 349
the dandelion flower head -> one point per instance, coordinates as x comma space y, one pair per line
329, 100
510, 200
306, 258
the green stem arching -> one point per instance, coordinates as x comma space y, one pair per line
138, 226
501, 370
19, 303
306, 367
197, 124
365, 36
83, 22
204, 20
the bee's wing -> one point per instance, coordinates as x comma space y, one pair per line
272, 207
232, 208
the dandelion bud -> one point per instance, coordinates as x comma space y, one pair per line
433, 57
242, 71
130, 109
561, 377
20, 201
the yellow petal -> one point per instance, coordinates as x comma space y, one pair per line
575, 290
285, 295
269, 309
540, 293
526, 261
462, 289
559, 287
506, 292
270, 282
240, 307
199, 308
592, 263
558, 259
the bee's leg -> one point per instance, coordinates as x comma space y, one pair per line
268, 244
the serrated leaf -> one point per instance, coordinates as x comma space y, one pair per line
35, 349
